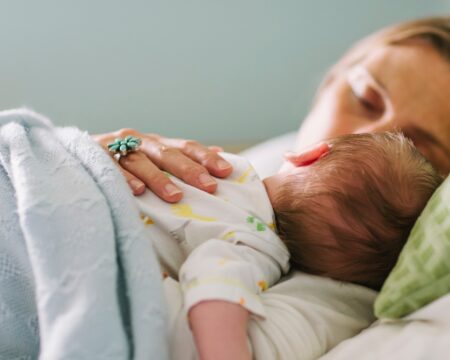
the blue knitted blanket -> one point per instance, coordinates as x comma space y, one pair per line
78, 278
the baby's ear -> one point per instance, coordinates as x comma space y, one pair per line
308, 156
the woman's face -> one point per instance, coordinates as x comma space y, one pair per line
402, 87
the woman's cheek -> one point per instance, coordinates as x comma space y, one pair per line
334, 114
314, 129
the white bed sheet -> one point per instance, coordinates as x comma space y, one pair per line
267, 156
425, 334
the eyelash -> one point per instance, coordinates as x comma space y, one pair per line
374, 106
364, 102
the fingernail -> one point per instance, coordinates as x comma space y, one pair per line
136, 184
222, 165
206, 180
171, 190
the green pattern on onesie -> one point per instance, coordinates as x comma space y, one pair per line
260, 226
422, 273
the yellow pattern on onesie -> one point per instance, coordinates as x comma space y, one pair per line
263, 285
243, 178
185, 210
229, 235
146, 219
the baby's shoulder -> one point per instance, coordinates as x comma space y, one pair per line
235, 160
242, 169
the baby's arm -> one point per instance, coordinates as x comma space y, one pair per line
221, 283
220, 330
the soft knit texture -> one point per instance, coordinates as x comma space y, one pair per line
78, 278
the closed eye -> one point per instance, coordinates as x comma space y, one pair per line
370, 99
366, 91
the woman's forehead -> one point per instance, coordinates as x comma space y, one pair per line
411, 72
417, 80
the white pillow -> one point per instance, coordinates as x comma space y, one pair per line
424, 334
267, 157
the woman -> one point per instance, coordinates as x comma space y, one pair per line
398, 78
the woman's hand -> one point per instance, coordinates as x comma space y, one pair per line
186, 159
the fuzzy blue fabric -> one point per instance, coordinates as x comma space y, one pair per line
78, 278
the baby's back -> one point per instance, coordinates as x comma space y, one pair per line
240, 204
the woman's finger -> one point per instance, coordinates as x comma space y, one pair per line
136, 185
138, 169
215, 148
178, 164
200, 154
143, 169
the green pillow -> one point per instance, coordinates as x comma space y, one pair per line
422, 272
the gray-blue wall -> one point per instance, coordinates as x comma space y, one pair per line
219, 71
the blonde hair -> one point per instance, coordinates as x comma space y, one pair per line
433, 30
349, 216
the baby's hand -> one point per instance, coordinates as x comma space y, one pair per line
220, 330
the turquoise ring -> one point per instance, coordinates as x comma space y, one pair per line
123, 147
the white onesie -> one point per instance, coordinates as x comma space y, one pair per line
226, 249
219, 246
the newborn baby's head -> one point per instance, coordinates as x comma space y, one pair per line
348, 215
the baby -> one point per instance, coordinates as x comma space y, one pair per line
346, 215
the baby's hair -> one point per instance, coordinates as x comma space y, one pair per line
349, 215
